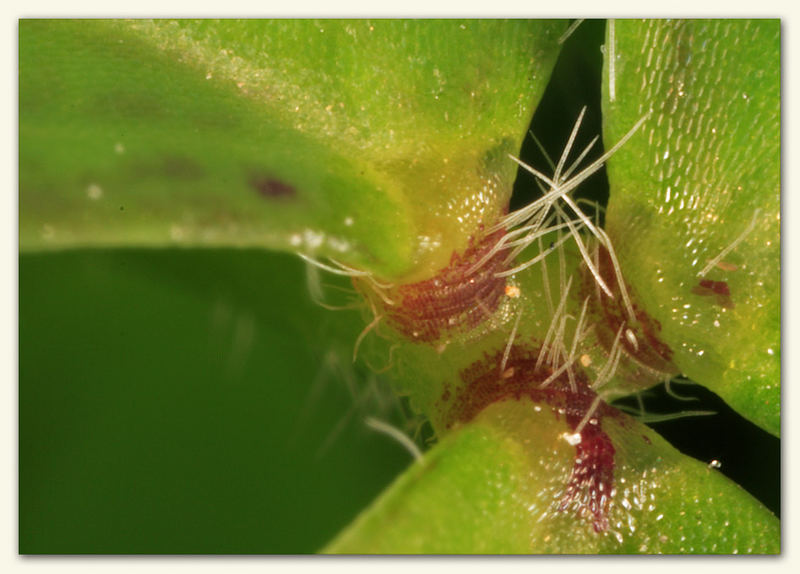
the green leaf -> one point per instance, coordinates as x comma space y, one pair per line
380, 143
168, 403
495, 486
701, 180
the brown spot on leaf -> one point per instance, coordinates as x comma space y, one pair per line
271, 187
719, 290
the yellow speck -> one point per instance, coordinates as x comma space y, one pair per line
512, 291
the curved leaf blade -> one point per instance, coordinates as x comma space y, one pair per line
699, 188
492, 487
378, 143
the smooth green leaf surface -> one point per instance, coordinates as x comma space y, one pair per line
168, 403
494, 486
701, 180
380, 143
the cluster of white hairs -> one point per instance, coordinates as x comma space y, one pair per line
555, 352
557, 211
339, 268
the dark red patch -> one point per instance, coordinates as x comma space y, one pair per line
272, 188
719, 290
648, 350
592, 479
452, 300
718, 287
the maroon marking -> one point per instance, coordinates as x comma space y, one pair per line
592, 479
719, 290
718, 287
272, 188
451, 301
591, 482
650, 351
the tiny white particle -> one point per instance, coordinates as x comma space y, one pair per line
313, 239
94, 191
340, 245
631, 337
